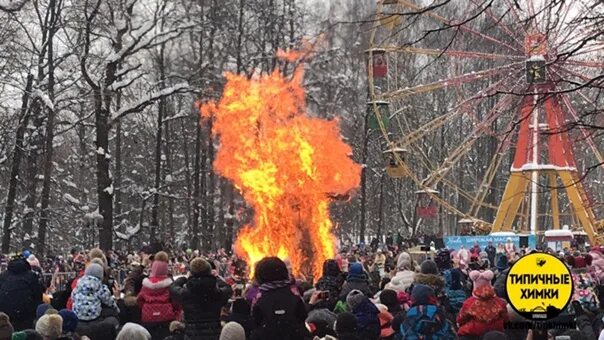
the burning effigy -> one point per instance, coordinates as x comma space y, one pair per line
284, 163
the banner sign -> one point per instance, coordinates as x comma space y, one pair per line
455, 242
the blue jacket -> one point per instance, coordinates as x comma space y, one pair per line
89, 296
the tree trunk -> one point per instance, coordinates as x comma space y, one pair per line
158, 153
31, 174
49, 149
168, 153
104, 186
185, 151
196, 188
364, 180
14, 173
118, 162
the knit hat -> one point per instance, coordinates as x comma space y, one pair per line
159, 268
320, 322
28, 334
95, 270
429, 267
422, 295
354, 299
345, 323
501, 262
6, 328
50, 326
132, 331
480, 279
161, 256
340, 307
494, 335
388, 297
70, 320
200, 266
232, 331
404, 262
33, 261
41, 309
355, 272
271, 269
97, 253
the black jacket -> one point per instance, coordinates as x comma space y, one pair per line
202, 298
279, 314
20, 294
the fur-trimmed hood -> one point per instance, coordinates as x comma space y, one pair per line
436, 282
156, 283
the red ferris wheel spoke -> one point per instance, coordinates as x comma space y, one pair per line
455, 81
459, 109
561, 23
588, 136
498, 23
571, 72
449, 22
454, 53
583, 63
512, 8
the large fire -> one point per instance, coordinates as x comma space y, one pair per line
287, 165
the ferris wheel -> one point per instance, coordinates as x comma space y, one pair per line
483, 108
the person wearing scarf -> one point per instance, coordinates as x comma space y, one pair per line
330, 282
278, 309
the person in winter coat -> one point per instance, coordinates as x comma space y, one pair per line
366, 313
202, 297
425, 319
389, 299
405, 275
491, 252
346, 327
278, 310
37, 269
502, 273
330, 282
20, 294
483, 311
454, 290
320, 323
430, 277
91, 294
157, 310
356, 279
241, 312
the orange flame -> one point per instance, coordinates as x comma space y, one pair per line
284, 163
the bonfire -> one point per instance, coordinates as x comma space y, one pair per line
287, 165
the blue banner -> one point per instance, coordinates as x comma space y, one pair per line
455, 242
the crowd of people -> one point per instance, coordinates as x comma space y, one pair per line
384, 293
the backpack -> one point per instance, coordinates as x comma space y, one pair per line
158, 312
425, 323
456, 299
